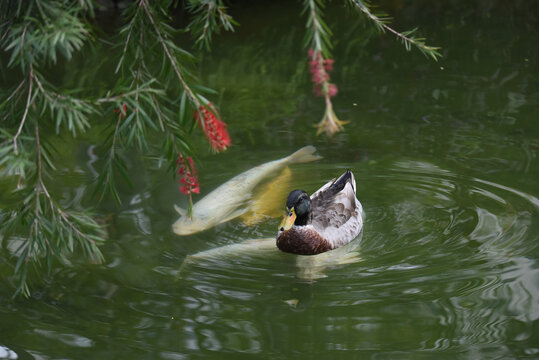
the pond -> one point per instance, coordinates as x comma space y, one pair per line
445, 158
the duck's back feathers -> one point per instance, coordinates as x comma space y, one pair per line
336, 210
334, 203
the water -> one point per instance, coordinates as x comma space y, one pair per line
445, 156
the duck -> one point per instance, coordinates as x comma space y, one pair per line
330, 218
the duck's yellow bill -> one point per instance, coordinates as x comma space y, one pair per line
288, 220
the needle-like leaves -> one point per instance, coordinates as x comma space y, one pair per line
154, 95
209, 16
381, 21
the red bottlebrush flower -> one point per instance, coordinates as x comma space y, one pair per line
320, 69
122, 110
328, 65
214, 128
332, 90
189, 181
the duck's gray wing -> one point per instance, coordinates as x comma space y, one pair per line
336, 212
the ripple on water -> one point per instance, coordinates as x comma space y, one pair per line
447, 259
68, 339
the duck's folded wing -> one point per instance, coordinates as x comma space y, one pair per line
334, 210
334, 203
337, 215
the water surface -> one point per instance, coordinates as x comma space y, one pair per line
445, 157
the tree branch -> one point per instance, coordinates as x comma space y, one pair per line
126, 43
428, 50
14, 92
54, 208
25, 114
316, 27
39, 170
186, 87
124, 95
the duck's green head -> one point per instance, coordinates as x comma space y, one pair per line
298, 209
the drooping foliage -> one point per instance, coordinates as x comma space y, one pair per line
151, 93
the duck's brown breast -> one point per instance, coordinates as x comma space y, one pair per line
302, 242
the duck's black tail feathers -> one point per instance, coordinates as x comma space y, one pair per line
340, 183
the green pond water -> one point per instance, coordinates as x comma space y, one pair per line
445, 158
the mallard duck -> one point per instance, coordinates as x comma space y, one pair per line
330, 218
